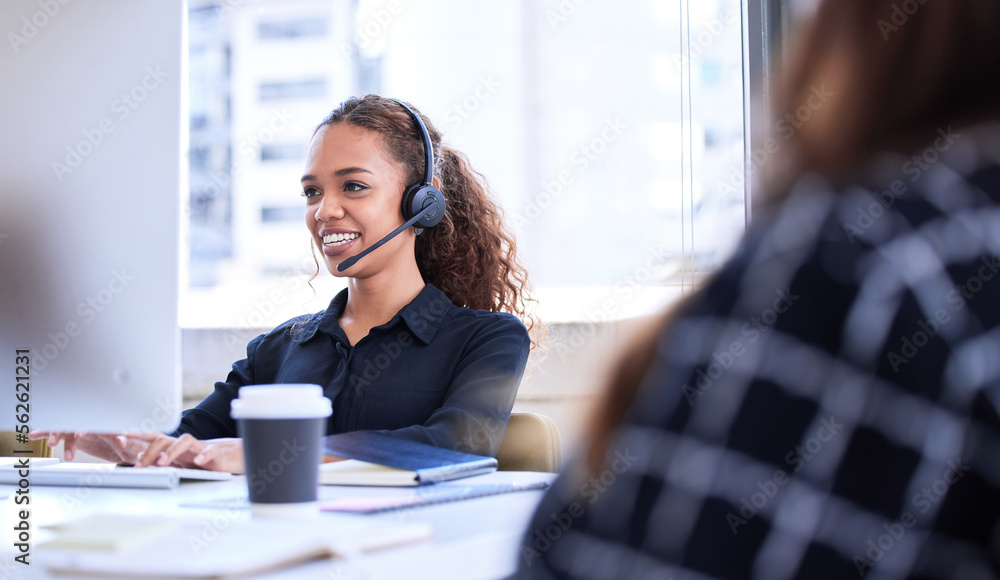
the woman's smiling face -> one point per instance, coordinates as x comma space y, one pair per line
353, 194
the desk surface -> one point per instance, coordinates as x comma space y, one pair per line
474, 538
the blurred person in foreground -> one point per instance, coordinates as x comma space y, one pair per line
827, 405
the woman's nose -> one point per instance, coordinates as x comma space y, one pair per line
329, 208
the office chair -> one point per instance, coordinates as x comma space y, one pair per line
531, 443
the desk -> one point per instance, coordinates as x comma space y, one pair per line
473, 539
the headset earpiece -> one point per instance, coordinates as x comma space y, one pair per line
416, 198
421, 195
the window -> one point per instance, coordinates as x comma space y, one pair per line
281, 214
612, 134
303, 89
198, 157
286, 29
283, 152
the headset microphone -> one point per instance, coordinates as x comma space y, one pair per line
423, 204
350, 261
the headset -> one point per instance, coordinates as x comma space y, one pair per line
423, 204
422, 195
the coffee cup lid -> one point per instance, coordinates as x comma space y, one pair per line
290, 401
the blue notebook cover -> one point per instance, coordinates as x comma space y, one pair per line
431, 464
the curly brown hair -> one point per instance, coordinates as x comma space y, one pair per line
470, 255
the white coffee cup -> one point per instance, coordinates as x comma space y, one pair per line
282, 427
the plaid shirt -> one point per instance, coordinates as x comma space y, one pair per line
826, 408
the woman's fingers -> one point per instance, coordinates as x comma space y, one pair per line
210, 454
155, 447
54, 438
70, 444
145, 437
221, 455
130, 446
186, 444
206, 456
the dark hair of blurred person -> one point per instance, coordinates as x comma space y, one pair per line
826, 406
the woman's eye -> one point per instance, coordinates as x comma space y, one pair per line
310, 192
354, 186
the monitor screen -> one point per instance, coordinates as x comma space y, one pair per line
92, 109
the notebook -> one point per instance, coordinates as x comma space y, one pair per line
110, 475
374, 458
425, 496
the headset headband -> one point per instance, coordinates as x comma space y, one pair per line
428, 148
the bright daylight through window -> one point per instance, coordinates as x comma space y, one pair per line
612, 133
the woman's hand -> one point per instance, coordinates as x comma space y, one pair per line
117, 447
145, 449
186, 451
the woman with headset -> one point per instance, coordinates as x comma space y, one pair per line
426, 341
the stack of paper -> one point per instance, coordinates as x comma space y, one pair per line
147, 546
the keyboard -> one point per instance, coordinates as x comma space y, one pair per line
184, 473
109, 475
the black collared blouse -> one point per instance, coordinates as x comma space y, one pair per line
436, 373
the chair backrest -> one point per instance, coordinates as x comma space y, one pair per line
531, 443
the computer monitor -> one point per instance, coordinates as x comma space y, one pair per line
93, 117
